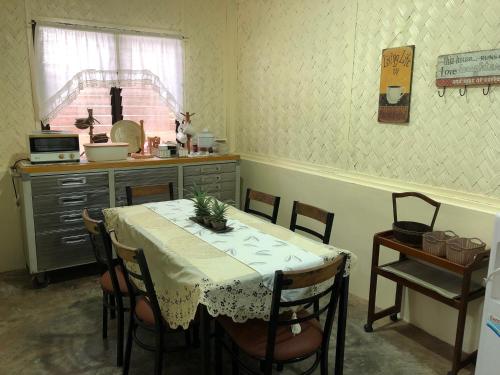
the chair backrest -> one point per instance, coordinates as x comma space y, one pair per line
284, 281
138, 280
101, 246
99, 239
158, 192
263, 198
315, 213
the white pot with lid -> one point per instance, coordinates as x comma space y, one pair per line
205, 140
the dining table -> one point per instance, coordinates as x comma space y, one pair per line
220, 273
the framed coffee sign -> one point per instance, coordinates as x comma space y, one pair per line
395, 84
469, 69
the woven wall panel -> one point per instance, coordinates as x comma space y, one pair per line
16, 113
293, 54
294, 73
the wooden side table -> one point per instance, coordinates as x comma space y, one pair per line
435, 277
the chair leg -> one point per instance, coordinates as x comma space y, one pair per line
219, 335
268, 367
112, 310
324, 364
128, 348
159, 353
119, 339
234, 360
279, 367
104, 315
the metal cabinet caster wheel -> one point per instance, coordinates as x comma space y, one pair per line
394, 317
39, 280
368, 328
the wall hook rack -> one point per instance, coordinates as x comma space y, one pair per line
462, 93
441, 93
487, 91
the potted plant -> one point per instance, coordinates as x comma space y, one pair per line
201, 205
218, 215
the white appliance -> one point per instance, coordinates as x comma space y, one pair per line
53, 147
488, 361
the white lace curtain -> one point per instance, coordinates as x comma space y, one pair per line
69, 60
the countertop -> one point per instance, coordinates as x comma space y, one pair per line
26, 167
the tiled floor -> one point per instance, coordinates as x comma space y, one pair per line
57, 330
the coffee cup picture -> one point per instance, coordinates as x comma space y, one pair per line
394, 94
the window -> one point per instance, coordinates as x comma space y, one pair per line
76, 69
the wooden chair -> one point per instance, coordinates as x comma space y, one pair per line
264, 198
315, 213
112, 280
144, 307
134, 193
273, 342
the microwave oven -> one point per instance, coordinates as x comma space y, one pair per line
54, 147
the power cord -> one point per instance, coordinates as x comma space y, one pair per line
14, 174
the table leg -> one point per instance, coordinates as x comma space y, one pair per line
205, 341
341, 327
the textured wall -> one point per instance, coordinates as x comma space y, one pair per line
202, 21
308, 80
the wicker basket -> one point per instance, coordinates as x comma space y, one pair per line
463, 250
435, 242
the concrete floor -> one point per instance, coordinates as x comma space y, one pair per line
57, 330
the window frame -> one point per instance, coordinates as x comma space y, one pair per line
92, 26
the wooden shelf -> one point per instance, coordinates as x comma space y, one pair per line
387, 239
438, 278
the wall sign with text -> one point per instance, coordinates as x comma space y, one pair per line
470, 68
395, 85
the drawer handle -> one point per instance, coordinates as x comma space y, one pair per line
71, 218
70, 201
210, 169
73, 181
213, 187
206, 179
73, 240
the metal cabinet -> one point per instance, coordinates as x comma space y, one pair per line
57, 203
52, 203
141, 177
219, 180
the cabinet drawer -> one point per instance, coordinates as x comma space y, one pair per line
209, 179
224, 196
209, 188
58, 184
154, 176
64, 220
73, 201
63, 249
195, 170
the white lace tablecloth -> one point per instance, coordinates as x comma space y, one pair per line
188, 270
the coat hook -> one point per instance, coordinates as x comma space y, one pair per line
462, 93
487, 91
441, 94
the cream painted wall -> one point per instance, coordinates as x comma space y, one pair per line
203, 22
360, 211
307, 97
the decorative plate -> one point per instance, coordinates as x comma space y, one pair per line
129, 132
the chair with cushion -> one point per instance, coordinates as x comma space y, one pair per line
315, 213
112, 280
144, 307
273, 342
254, 195
149, 193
